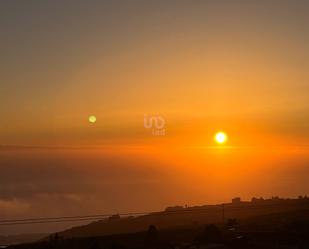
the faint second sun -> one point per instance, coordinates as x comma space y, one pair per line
92, 119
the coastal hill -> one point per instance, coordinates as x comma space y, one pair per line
179, 216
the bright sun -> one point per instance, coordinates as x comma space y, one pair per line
220, 137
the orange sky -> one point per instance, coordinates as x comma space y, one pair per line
204, 66
185, 61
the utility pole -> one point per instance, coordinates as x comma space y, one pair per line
223, 214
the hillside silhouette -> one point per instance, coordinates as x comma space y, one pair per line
188, 216
272, 223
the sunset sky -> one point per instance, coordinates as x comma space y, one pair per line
203, 66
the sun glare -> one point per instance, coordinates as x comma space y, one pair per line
220, 137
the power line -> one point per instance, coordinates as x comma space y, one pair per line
223, 208
70, 217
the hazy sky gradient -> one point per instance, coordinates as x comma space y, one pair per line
64, 60
237, 66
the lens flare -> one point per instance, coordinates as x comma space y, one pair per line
92, 119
